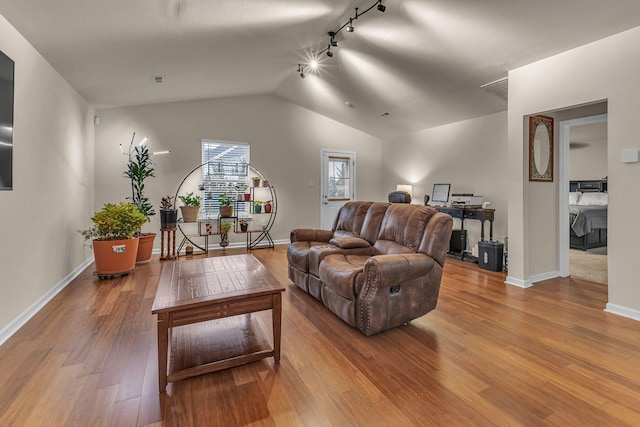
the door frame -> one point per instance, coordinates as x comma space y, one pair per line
563, 182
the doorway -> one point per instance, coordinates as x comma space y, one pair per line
583, 156
337, 184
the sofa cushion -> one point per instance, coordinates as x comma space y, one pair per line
344, 273
403, 224
350, 218
298, 254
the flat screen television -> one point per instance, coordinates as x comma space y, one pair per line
440, 193
6, 122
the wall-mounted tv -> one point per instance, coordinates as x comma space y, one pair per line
7, 67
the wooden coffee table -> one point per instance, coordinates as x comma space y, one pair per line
191, 295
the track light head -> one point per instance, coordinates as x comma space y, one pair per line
350, 26
382, 7
301, 70
330, 54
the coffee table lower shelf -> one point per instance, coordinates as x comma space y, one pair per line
211, 346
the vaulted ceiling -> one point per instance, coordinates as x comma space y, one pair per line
421, 61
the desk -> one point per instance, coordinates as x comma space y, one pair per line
479, 214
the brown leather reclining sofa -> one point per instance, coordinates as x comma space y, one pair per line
378, 268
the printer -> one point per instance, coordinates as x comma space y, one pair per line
466, 200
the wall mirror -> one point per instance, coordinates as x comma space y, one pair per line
541, 148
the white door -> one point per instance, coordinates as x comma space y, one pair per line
338, 184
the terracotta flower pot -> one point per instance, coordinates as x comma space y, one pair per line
226, 211
145, 247
190, 213
115, 256
267, 208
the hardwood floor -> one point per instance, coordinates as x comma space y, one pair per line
489, 355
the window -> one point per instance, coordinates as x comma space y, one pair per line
339, 179
225, 170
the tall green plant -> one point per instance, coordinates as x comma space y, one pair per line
139, 168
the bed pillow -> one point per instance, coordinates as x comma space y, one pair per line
593, 199
574, 196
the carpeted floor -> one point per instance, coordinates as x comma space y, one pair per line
589, 265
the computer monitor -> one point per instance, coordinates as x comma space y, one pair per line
440, 193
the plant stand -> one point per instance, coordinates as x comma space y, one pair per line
168, 252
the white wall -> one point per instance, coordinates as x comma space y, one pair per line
285, 146
603, 70
588, 162
471, 155
52, 193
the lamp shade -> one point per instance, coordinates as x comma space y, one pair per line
407, 188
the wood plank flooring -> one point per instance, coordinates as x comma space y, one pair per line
489, 355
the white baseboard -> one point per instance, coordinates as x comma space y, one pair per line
622, 311
510, 280
533, 279
544, 276
23, 318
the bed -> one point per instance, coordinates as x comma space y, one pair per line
588, 202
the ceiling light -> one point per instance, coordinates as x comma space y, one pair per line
333, 42
329, 53
157, 79
349, 104
332, 36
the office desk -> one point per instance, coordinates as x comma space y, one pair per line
464, 213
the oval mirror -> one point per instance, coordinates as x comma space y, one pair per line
540, 148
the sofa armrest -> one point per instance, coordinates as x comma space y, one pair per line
389, 270
349, 242
310, 235
397, 289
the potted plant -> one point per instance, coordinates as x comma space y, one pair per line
257, 206
139, 168
225, 226
256, 181
241, 188
267, 206
115, 245
190, 208
226, 205
168, 214
244, 225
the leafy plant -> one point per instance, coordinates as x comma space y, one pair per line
225, 226
241, 187
225, 200
115, 222
139, 168
166, 203
190, 199
257, 203
243, 222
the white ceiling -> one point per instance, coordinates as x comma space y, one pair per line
422, 61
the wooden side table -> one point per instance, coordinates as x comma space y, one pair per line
168, 250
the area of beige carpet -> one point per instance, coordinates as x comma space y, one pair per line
589, 265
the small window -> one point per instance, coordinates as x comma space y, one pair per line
225, 170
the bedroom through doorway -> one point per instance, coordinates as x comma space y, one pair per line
585, 144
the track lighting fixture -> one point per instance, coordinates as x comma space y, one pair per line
333, 42
332, 36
